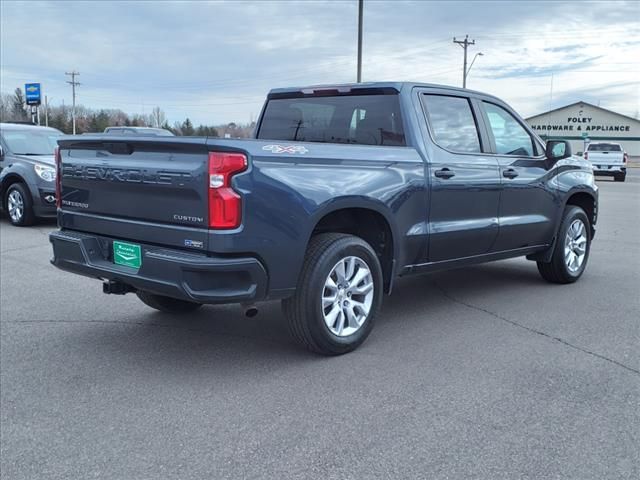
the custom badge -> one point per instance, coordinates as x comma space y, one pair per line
285, 149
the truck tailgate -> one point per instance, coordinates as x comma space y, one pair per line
606, 158
135, 181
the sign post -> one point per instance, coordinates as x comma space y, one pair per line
586, 140
33, 98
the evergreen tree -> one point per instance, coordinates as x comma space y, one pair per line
187, 128
102, 121
167, 127
93, 124
58, 119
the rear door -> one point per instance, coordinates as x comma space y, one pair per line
528, 205
465, 182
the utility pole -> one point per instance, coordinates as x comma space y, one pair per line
73, 84
46, 111
360, 8
464, 44
551, 92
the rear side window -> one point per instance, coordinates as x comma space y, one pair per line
603, 147
351, 119
510, 136
452, 123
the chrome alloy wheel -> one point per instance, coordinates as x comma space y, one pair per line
575, 246
347, 296
15, 205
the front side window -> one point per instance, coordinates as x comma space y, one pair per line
452, 123
510, 136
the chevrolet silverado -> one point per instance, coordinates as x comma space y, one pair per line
343, 190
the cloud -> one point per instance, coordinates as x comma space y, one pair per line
215, 61
511, 71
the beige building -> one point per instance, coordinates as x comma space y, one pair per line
582, 123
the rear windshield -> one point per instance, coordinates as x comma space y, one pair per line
604, 147
138, 131
355, 119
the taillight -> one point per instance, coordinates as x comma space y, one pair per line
625, 157
58, 178
586, 155
225, 204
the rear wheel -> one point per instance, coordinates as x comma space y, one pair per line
167, 304
620, 177
571, 250
338, 295
19, 205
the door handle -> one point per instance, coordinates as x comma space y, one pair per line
510, 173
444, 173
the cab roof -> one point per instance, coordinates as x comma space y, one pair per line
374, 87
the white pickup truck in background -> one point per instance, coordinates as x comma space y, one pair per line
607, 159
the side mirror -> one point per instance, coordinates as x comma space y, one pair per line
557, 150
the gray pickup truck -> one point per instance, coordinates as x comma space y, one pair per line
343, 189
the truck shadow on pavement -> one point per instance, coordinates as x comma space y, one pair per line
221, 337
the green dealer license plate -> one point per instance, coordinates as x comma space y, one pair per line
127, 254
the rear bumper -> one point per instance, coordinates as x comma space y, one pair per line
609, 170
170, 272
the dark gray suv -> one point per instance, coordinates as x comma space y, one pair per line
27, 172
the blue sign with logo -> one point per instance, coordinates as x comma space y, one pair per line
32, 93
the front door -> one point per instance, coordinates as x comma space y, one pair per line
528, 205
465, 183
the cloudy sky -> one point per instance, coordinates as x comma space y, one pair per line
215, 61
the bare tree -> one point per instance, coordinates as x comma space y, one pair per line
159, 118
5, 107
18, 108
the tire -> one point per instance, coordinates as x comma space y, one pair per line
167, 304
19, 205
558, 270
313, 326
619, 178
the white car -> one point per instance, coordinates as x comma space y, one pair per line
607, 159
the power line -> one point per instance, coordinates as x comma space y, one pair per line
554, 35
73, 84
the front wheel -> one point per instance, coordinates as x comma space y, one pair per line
167, 304
571, 249
620, 177
338, 295
19, 205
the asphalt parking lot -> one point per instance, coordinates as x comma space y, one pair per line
484, 372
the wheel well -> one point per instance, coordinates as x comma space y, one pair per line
367, 224
587, 203
6, 183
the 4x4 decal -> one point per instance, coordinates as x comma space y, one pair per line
285, 149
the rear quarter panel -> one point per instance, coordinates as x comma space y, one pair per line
286, 194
